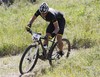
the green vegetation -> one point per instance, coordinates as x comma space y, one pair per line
85, 63
83, 31
82, 17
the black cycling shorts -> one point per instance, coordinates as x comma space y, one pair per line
51, 27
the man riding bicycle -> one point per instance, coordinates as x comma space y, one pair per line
55, 27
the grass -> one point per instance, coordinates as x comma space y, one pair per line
83, 63
82, 30
9, 66
82, 19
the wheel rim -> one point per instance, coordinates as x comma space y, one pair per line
29, 60
55, 58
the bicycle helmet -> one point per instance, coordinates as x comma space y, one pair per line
43, 8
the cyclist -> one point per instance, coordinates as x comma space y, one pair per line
56, 26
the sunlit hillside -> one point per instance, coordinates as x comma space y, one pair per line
82, 23
82, 30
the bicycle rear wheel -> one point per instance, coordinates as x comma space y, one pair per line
29, 59
54, 57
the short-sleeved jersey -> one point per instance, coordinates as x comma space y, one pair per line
51, 16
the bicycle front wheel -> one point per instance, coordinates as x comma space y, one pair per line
54, 57
29, 59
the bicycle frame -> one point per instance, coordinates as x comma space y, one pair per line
53, 42
41, 44
51, 54
38, 39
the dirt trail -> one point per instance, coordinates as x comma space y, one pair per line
9, 67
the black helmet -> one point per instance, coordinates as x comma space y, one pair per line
43, 7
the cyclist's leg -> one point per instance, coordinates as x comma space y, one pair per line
46, 40
60, 43
60, 34
49, 30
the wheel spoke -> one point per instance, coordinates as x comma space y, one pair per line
55, 57
29, 59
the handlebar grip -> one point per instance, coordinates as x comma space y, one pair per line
29, 30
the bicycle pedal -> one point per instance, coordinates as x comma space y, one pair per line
58, 56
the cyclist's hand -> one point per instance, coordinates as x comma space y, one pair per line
28, 28
48, 37
53, 34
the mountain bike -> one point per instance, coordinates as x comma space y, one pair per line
37, 51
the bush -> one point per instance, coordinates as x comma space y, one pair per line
10, 49
82, 43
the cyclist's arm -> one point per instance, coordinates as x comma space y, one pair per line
56, 25
32, 20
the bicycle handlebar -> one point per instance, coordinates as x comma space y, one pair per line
31, 32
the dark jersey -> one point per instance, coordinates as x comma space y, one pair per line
51, 16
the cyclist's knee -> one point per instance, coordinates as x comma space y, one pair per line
59, 37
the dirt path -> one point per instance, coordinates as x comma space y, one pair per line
9, 67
